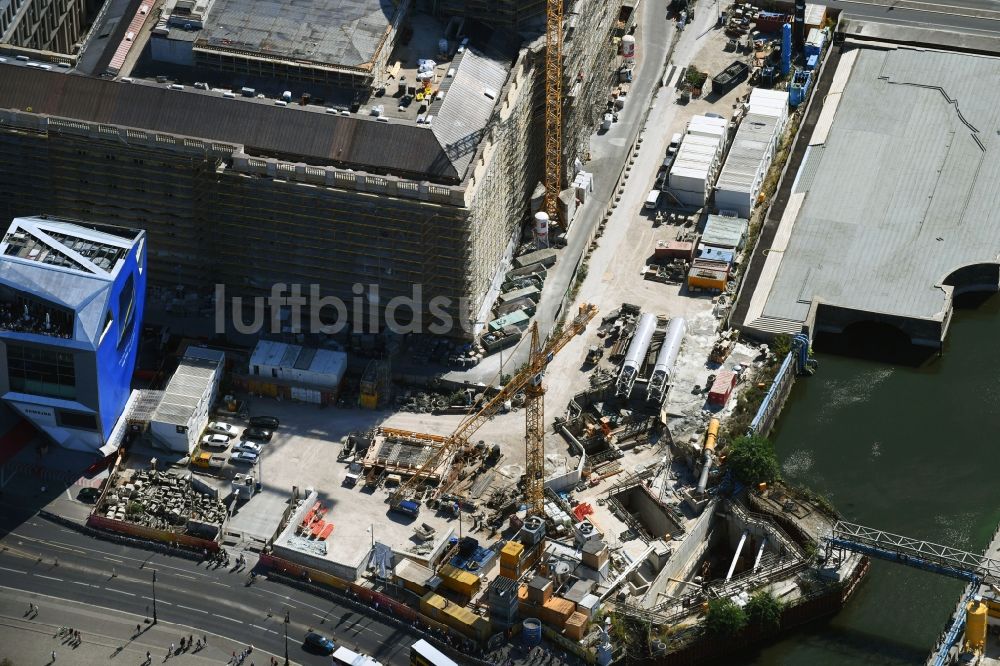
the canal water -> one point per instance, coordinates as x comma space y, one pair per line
911, 449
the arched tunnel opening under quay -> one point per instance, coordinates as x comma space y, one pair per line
874, 341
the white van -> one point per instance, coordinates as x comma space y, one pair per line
652, 200
675, 143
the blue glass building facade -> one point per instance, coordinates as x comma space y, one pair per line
71, 302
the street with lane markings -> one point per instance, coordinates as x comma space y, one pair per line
44, 563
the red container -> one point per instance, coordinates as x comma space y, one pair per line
722, 388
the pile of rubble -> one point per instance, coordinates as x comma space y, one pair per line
162, 500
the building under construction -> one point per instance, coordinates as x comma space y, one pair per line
403, 155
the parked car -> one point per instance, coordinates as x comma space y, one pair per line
247, 445
269, 422
257, 434
243, 458
215, 441
222, 428
319, 643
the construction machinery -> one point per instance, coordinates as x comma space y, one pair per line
553, 107
529, 380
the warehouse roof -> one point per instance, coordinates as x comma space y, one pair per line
334, 32
904, 190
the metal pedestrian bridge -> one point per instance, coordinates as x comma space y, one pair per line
924, 555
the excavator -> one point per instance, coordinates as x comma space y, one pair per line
529, 379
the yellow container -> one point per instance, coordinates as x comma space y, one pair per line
975, 625
455, 616
511, 553
459, 580
576, 626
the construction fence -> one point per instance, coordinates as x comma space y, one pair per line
778, 392
153, 534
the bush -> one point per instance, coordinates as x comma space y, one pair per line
753, 460
764, 610
781, 346
724, 618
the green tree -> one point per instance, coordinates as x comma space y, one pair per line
724, 618
764, 610
781, 345
753, 460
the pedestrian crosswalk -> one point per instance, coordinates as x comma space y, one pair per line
670, 80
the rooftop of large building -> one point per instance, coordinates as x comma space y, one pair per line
334, 32
434, 139
56, 276
900, 188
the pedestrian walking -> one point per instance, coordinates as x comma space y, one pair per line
138, 629
204, 639
171, 648
183, 640
149, 657
114, 572
190, 640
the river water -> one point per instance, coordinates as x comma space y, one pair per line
913, 450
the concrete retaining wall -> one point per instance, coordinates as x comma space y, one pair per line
687, 552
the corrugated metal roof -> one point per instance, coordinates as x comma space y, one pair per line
751, 149
696, 156
906, 191
768, 102
272, 354
724, 231
264, 129
189, 385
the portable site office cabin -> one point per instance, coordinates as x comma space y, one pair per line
694, 170
183, 411
750, 157
707, 126
697, 162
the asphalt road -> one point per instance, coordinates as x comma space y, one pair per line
960, 15
212, 601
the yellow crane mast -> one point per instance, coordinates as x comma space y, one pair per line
530, 380
553, 107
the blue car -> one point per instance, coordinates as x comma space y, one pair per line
319, 643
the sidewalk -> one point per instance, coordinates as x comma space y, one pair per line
106, 635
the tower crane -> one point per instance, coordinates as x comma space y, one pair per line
528, 379
553, 106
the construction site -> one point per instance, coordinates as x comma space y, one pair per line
578, 478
